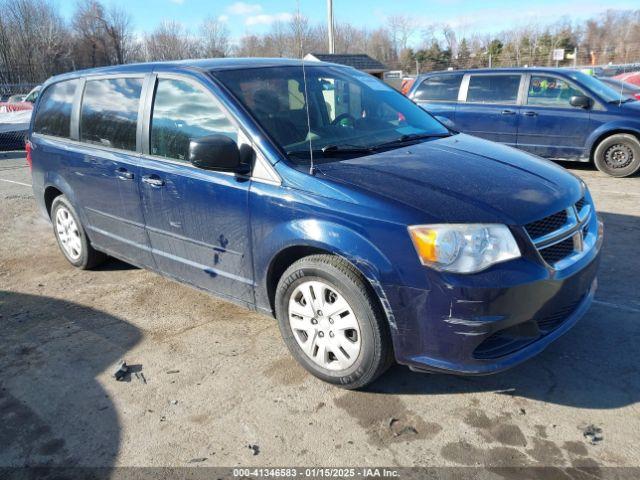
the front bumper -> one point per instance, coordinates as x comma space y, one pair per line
489, 322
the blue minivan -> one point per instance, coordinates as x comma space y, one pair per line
317, 194
559, 114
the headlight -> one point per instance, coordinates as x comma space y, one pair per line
463, 248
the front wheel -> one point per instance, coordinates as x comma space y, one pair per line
618, 155
331, 321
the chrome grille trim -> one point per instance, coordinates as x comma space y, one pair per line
576, 228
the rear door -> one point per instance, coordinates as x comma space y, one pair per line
549, 125
488, 106
105, 166
197, 220
438, 94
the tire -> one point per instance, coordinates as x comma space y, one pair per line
71, 237
618, 155
350, 348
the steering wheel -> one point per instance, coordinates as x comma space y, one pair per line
344, 116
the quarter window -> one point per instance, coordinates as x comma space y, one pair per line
546, 91
109, 113
493, 89
182, 112
443, 88
54, 111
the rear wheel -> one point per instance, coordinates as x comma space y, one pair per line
331, 322
71, 237
618, 155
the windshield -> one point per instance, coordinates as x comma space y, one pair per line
33, 95
350, 113
604, 91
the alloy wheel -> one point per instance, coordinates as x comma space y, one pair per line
68, 233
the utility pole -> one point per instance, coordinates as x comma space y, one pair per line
330, 25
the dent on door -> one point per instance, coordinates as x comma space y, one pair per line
198, 226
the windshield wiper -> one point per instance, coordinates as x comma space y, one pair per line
625, 100
330, 151
409, 138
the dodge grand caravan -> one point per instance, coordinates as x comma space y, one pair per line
316, 193
558, 114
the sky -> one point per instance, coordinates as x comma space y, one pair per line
255, 16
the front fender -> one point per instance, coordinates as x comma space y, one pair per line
609, 128
331, 237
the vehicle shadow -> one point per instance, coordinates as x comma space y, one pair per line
53, 410
114, 265
594, 365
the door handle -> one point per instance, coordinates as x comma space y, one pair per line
530, 114
508, 112
124, 174
153, 180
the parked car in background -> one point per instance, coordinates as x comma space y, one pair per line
628, 90
406, 85
20, 102
629, 77
558, 114
318, 194
14, 127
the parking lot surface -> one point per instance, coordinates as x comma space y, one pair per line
213, 385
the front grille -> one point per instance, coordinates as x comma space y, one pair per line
558, 251
511, 339
554, 320
580, 204
498, 345
546, 225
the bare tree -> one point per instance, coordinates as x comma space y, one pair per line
215, 38
34, 42
170, 41
402, 27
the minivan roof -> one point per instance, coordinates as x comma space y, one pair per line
204, 64
504, 70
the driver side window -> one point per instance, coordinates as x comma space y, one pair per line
547, 91
182, 112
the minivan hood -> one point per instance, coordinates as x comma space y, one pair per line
630, 107
463, 179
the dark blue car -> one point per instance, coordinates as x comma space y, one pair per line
315, 193
558, 114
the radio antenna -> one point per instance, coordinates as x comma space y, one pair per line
306, 96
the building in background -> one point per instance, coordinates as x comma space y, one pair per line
359, 61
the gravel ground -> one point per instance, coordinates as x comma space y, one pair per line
221, 389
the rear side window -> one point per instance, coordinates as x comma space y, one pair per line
493, 88
109, 112
443, 88
54, 111
181, 112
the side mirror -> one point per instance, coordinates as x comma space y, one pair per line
580, 101
216, 152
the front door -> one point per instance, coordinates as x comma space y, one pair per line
106, 167
549, 125
438, 95
197, 220
490, 107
